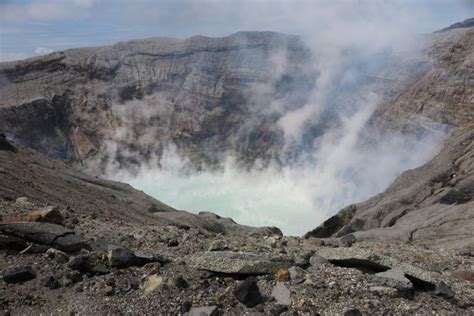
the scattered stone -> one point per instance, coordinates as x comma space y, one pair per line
296, 275
5, 144
185, 307
89, 263
318, 242
152, 283
248, 293
203, 311
121, 258
53, 235
278, 309
109, 291
57, 255
181, 283
282, 294
50, 214
217, 245
146, 257
51, 282
347, 240
238, 262
173, 242
302, 261
353, 312
283, 275
12, 243
444, 290
396, 279
384, 291
316, 261
271, 242
18, 275
359, 257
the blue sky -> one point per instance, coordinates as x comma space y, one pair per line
35, 27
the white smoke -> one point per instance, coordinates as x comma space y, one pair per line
336, 170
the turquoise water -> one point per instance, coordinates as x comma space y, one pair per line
265, 198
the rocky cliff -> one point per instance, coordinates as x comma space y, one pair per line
431, 205
197, 93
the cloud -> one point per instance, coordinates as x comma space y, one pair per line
43, 50
45, 10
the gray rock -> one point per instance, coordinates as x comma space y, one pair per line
316, 261
248, 293
347, 240
395, 278
203, 311
238, 262
89, 263
217, 245
12, 243
122, 258
51, 281
444, 290
296, 275
46, 233
353, 312
18, 275
281, 294
358, 257
57, 255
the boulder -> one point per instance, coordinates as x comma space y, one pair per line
283, 275
217, 245
89, 263
248, 293
444, 290
316, 261
238, 262
53, 235
18, 275
12, 243
203, 311
57, 255
396, 279
358, 257
50, 214
5, 144
281, 293
153, 282
347, 240
122, 258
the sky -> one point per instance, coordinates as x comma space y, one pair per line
37, 27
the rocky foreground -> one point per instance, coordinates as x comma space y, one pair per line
93, 265
58, 256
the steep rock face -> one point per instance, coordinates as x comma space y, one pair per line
443, 96
196, 93
432, 205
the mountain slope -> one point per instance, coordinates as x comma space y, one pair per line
432, 205
195, 93
45, 181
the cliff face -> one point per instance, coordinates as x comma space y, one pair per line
443, 95
195, 92
433, 204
